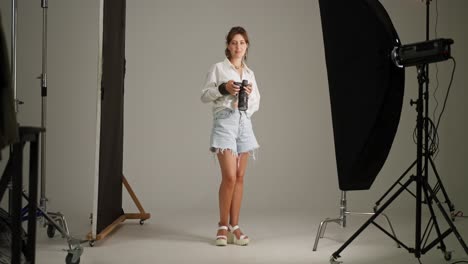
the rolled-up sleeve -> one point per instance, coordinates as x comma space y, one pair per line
254, 100
210, 90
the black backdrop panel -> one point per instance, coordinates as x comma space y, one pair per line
112, 103
8, 125
366, 89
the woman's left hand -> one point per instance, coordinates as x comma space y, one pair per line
248, 88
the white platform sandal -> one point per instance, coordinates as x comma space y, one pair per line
232, 239
221, 240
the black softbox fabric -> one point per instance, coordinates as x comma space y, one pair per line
112, 110
366, 89
9, 133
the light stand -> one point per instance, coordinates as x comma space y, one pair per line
419, 55
426, 128
57, 217
341, 220
422, 188
43, 78
54, 221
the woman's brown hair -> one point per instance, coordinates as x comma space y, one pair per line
234, 31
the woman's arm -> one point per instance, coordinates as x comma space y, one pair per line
210, 91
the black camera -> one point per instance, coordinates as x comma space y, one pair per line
243, 98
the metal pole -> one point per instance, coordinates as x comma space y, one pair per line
14, 21
419, 163
343, 209
43, 201
426, 152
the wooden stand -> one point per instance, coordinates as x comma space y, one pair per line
142, 216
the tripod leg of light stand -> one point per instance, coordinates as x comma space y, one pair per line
321, 229
391, 228
341, 220
447, 218
325, 223
434, 223
60, 218
74, 245
439, 181
336, 254
386, 218
394, 185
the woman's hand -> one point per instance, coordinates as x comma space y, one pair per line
232, 88
248, 88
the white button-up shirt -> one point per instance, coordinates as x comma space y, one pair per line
222, 72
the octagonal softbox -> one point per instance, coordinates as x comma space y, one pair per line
366, 88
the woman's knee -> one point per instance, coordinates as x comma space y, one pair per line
240, 177
229, 179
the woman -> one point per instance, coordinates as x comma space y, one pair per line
232, 137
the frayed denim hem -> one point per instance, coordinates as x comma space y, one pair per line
221, 150
215, 152
252, 153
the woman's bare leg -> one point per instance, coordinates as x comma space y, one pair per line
228, 164
238, 192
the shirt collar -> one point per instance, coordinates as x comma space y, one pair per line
228, 63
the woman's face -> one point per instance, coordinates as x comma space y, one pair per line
237, 46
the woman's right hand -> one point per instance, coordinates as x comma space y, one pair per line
232, 88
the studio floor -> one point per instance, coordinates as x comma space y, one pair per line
276, 237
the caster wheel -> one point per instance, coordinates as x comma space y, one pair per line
50, 231
92, 243
333, 260
142, 222
448, 255
69, 258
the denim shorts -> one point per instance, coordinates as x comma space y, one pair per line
232, 129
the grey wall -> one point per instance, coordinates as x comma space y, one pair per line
170, 46
169, 51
